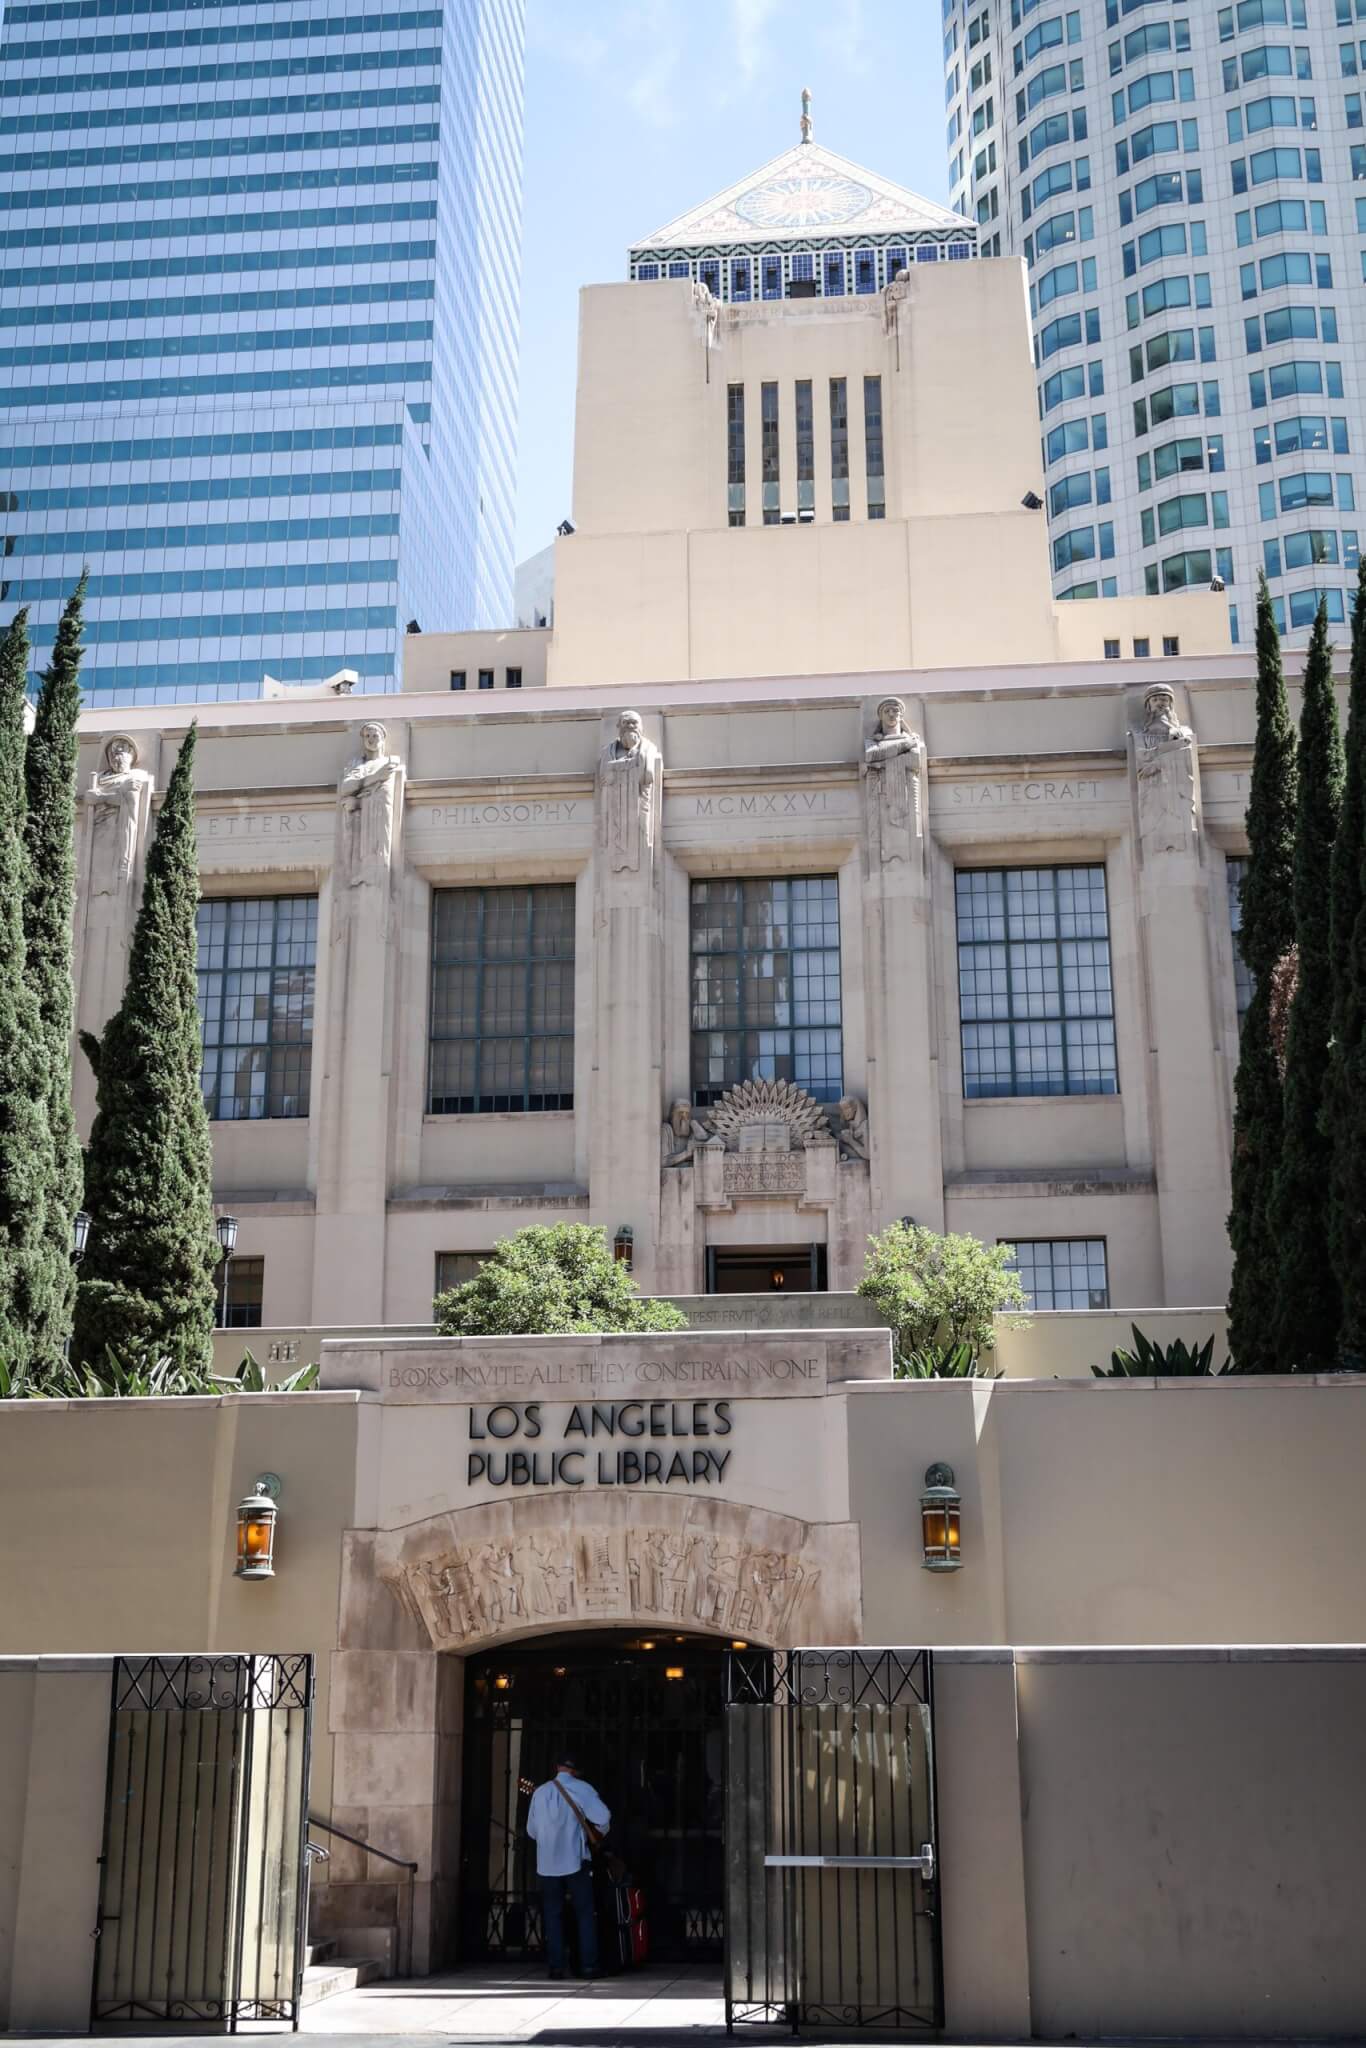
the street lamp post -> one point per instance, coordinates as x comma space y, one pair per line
226, 1229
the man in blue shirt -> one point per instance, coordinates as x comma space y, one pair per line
564, 1861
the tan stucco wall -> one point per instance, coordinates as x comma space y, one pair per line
54, 1741
1195, 1845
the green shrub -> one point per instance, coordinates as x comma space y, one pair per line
939, 1293
1174, 1361
556, 1280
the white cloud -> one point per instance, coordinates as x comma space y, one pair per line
749, 21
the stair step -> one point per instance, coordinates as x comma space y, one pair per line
319, 1952
328, 1980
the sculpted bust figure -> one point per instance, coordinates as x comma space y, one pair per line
892, 761
852, 1128
367, 792
683, 1134
627, 782
121, 795
1164, 768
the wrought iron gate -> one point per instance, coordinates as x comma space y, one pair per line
831, 1894
203, 1892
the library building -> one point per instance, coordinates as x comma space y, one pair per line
811, 869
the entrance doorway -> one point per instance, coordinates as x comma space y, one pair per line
766, 1269
641, 1715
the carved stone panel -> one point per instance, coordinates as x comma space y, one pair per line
483, 1573
764, 1173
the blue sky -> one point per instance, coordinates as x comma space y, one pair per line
639, 109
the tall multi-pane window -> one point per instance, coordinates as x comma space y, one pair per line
238, 1290
502, 1025
872, 441
768, 451
735, 453
766, 985
257, 956
1063, 1272
839, 447
806, 450
1035, 1001
1235, 874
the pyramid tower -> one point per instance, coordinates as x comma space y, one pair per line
809, 224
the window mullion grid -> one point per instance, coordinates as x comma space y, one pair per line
1053, 874
479, 1001
270, 1002
529, 970
1010, 981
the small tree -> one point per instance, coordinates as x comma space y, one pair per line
50, 778
1345, 1097
1268, 933
939, 1292
558, 1280
25, 1149
1308, 1307
147, 1281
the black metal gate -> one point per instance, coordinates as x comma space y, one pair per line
203, 1891
831, 1894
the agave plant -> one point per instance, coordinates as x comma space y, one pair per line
1174, 1361
250, 1378
942, 1362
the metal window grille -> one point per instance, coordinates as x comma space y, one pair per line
806, 446
1235, 874
766, 985
453, 1269
257, 959
1063, 1272
839, 447
1035, 1000
872, 441
240, 1288
502, 1017
768, 451
735, 453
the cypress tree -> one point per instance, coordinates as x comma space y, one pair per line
147, 1280
1308, 1307
1268, 932
50, 780
1345, 1102
24, 1150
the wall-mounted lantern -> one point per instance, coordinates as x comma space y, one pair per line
624, 1246
940, 1514
256, 1529
80, 1235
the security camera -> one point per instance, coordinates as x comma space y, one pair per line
1032, 502
1216, 582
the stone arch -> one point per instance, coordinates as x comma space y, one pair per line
601, 1558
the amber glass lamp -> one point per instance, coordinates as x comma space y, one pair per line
256, 1529
941, 1507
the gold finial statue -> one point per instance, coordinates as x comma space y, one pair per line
806, 113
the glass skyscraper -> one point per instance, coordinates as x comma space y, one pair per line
1183, 179
259, 272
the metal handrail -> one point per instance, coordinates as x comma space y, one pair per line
400, 1862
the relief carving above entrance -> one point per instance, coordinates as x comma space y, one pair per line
476, 1575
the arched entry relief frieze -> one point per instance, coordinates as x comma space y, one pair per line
508, 1569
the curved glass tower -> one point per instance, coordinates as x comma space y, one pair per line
259, 272
1182, 180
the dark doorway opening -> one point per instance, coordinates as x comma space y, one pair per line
642, 1716
767, 1269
